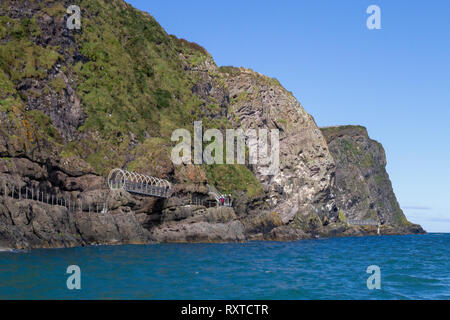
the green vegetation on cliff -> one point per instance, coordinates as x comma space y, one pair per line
130, 77
133, 85
361, 176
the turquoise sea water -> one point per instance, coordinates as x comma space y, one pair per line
412, 267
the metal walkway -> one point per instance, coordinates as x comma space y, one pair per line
227, 200
139, 184
368, 222
363, 222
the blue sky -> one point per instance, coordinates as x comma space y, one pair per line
395, 81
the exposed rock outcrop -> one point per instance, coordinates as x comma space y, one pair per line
28, 224
363, 189
217, 224
302, 185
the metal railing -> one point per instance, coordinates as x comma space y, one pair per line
202, 201
52, 199
368, 222
139, 184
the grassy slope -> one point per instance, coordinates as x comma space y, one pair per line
20, 58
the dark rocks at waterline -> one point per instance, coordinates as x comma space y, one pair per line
29, 224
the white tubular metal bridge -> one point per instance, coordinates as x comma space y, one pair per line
139, 184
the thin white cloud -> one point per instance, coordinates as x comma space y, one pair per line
416, 208
429, 219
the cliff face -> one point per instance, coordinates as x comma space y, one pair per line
363, 189
75, 104
302, 185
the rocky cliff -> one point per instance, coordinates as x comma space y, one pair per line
363, 189
75, 104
